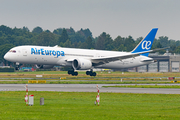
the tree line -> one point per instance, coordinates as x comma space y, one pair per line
68, 37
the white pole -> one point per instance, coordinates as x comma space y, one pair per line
27, 95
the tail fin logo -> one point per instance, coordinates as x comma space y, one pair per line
146, 45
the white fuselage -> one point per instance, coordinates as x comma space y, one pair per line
62, 56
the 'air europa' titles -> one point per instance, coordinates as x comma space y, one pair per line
41, 51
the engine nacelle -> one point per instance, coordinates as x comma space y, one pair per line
81, 64
44, 66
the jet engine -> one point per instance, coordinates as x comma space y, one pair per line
44, 66
81, 64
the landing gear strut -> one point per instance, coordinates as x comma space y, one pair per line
17, 66
71, 72
91, 73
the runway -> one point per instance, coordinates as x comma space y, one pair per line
85, 88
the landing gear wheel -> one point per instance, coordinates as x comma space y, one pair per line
92, 73
71, 72
75, 73
87, 72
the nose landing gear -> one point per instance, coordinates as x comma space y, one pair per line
17, 66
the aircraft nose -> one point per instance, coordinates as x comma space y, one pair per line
7, 57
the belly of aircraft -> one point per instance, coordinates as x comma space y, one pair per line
122, 64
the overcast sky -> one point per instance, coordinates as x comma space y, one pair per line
115, 17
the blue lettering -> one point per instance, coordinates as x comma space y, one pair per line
33, 51
54, 52
62, 53
58, 53
42, 51
50, 51
36, 51
39, 51
47, 52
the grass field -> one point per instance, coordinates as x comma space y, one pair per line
53, 77
58, 74
80, 106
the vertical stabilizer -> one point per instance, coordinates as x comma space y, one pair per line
146, 43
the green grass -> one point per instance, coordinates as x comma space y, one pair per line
80, 106
87, 82
102, 73
101, 78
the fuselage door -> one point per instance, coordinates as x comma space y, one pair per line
24, 52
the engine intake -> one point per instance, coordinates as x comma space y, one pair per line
81, 64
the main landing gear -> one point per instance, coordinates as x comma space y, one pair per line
91, 73
71, 72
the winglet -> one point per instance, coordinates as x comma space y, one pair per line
146, 43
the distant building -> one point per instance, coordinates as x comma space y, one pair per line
165, 63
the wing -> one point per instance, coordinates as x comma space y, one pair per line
103, 60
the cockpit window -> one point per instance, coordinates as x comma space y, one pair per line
13, 51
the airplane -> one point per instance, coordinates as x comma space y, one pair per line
83, 59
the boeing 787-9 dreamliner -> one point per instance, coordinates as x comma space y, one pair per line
83, 59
